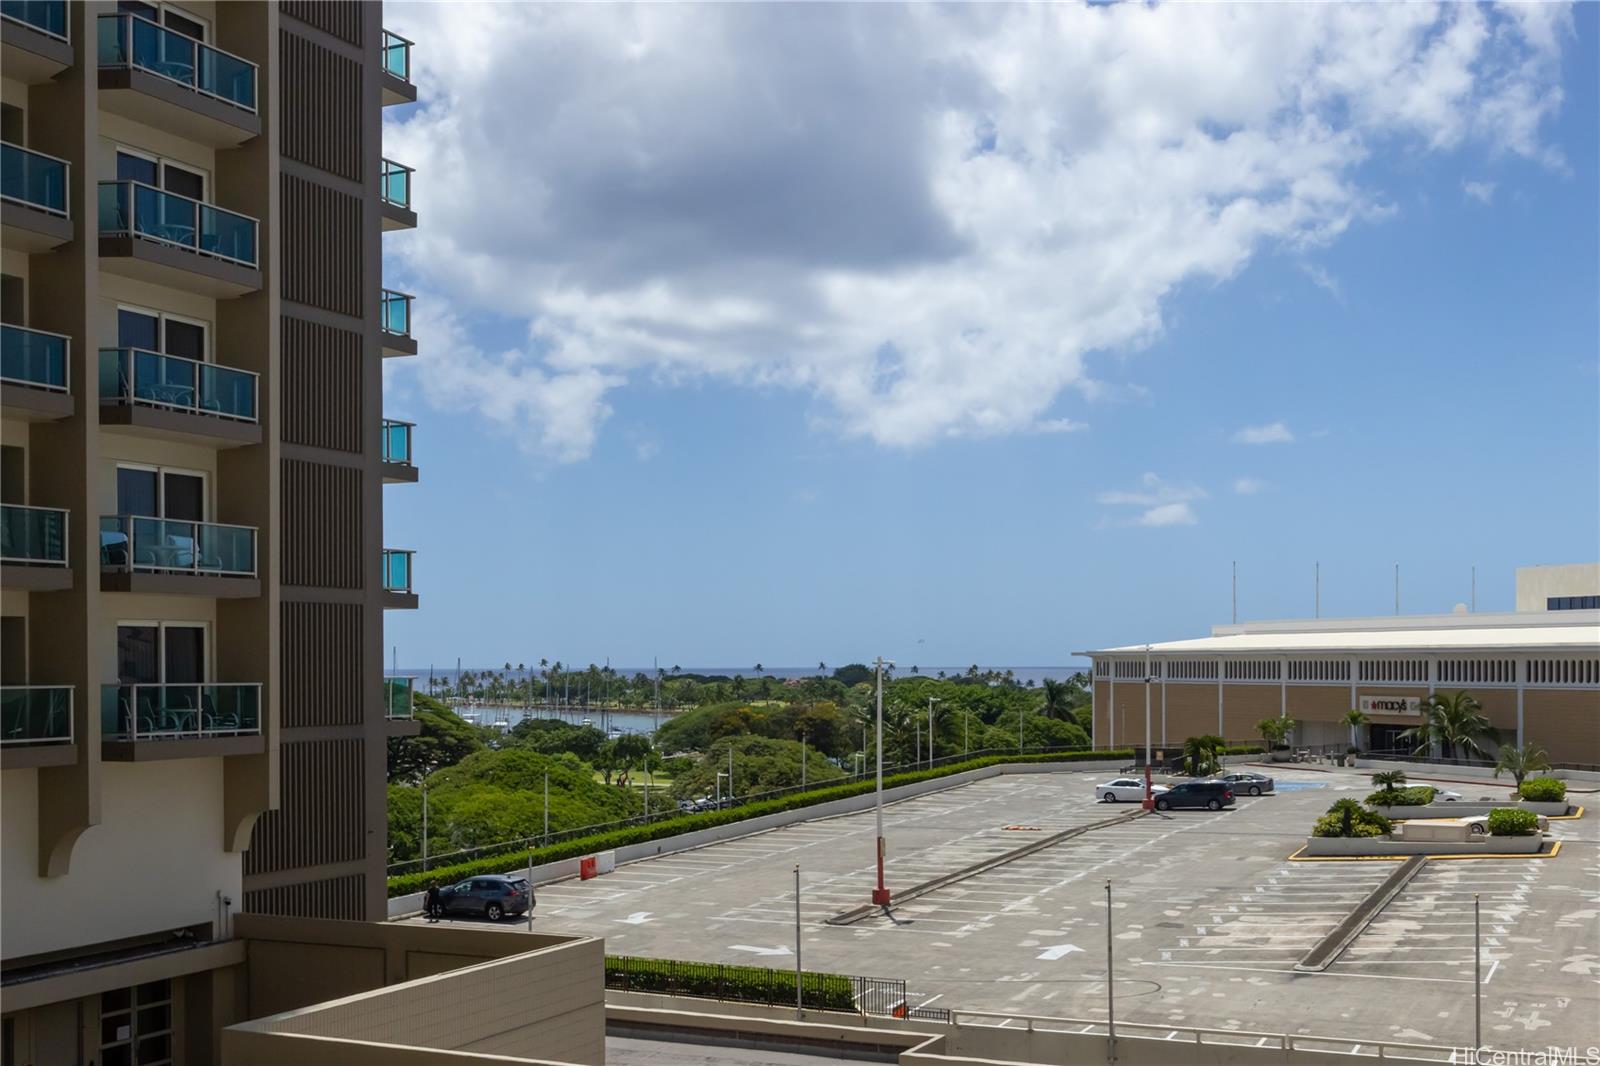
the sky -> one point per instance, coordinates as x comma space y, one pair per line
986, 334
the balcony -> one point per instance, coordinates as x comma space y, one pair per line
175, 398
157, 236
33, 548
397, 87
174, 721
397, 594
162, 78
394, 315
34, 46
33, 374
397, 693
168, 555
33, 200
394, 189
36, 726
397, 465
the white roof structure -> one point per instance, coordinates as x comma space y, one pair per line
1556, 631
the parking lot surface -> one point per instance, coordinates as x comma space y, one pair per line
1208, 916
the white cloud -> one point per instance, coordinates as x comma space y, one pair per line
1481, 191
926, 217
1248, 486
1168, 514
1058, 425
1160, 502
1323, 280
1271, 433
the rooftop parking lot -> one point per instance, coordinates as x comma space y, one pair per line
1208, 915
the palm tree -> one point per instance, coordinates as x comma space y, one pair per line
1355, 719
1388, 779
1200, 753
1454, 721
758, 668
1521, 760
1057, 700
822, 667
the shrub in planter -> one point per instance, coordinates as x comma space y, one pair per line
1347, 818
1544, 790
1412, 796
711, 980
1510, 822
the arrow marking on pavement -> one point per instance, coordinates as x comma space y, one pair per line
1056, 951
636, 918
759, 951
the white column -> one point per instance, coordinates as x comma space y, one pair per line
1111, 712
1220, 733
1163, 705
1094, 717
1433, 675
1521, 666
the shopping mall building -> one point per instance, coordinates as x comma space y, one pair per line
1535, 670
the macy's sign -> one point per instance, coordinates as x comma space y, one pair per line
1391, 704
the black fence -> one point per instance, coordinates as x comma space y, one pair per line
755, 984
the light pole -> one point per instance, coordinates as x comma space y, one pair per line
931, 701
799, 1004
720, 776
1111, 998
1477, 979
424, 821
802, 764
547, 808
1147, 680
880, 895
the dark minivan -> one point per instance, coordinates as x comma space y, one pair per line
492, 895
1212, 795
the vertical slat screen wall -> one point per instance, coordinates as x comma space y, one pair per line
302, 833
335, 897
341, 20
321, 385
321, 525
321, 664
321, 92
321, 247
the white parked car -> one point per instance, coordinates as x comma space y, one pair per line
1444, 795
1125, 790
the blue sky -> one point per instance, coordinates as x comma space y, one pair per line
772, 399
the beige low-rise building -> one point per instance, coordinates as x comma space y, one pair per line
1536, 672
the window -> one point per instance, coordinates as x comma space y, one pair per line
1319, 670
156, 492
161, 653
1252, 670
136, 1025
185, 180
156, 331
1572, 603
1394, 670
1477, 672
1192, 670
172, 17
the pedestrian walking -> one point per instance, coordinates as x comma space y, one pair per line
434, 902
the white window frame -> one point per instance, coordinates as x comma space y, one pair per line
161, 487
162, 317
161, 628
162, 6
162, 162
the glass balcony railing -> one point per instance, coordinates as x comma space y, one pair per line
397, 696
179, 712
35, 714
396, 313
33, 357
396, 56
46, 16
169, 545
33, 536
135, 376
397, 570
127, 40
35, 179
132, 208
397, 441
395, 184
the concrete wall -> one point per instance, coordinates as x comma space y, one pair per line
547, 1003
568, 868
158, 818
1536, 584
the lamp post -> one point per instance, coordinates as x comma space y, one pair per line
931, 701
880, 895
1149, 791
1111, 998
1477, 978
720, 775
799, 1003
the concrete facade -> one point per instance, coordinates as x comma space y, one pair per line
1538, 585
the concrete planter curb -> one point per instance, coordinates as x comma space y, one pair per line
1469, 810
564, 869
1383, 847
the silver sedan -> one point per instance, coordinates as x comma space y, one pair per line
1248, 784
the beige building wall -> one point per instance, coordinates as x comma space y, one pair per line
1245, 705
1564, 724
154, 862
1191, 711
1536, 584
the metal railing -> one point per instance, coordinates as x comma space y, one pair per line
179, 711
153, 379
397, 569
35, 358
33, 536
397, 441
398, 691
129, 40
169, 545
669, 808
46, 16
396, 56
394, 184
134, 209
35, 714
34, 178
395, 316
1383, 1050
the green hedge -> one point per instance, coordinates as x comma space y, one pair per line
1411, 796
404, 884
1544, 790
1512, 822
1245, 749
712, 980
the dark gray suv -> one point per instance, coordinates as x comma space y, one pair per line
491, 895
1212, 795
